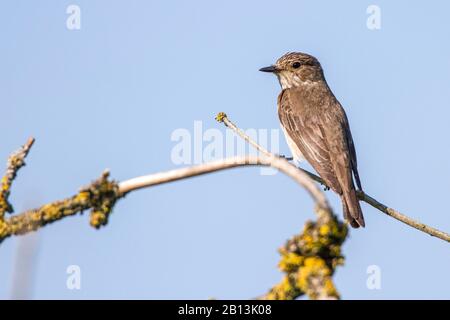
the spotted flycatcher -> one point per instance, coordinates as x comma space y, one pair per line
316, 128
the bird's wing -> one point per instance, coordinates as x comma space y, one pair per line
351, 147
318, 126
305, 130
336, 130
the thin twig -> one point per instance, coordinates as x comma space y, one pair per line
15, 161
222, 117
403, 218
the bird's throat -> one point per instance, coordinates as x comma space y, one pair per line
288, 81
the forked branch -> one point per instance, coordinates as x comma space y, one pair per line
222, 117
308, 259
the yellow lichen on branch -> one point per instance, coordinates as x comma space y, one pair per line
100, 196
310, 259
15, 162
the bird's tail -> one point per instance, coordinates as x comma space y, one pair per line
352, 210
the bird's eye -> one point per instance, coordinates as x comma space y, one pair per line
296, 65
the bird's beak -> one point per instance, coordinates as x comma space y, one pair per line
272, 69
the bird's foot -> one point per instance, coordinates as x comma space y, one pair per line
285, 157
326, 188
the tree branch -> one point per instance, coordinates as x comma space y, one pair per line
101, 195
222, 117
228, 163
15, 162
308, 259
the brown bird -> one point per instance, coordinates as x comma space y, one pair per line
316, 128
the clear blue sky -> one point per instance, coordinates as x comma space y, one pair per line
111, 94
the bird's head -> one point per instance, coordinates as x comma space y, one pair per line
296, 69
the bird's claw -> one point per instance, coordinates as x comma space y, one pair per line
284, 157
